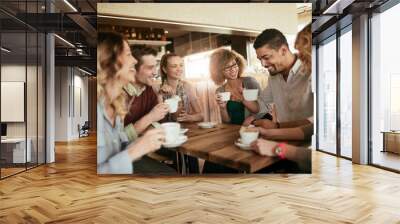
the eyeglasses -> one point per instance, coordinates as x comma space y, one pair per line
230, 68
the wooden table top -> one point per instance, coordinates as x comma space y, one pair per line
217, 145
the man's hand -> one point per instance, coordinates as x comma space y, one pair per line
158, 112
248, 121
264, 147
267, 124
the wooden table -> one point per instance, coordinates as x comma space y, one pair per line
217, 145
391, 141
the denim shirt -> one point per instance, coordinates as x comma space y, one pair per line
111, 141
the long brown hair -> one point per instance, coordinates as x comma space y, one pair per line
164, 64
218, 60
109, 46
303, 45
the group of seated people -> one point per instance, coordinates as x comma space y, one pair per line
131, 102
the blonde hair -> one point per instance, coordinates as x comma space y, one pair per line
110, 46
219, 58
303, 45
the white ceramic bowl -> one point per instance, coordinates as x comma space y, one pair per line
247, 137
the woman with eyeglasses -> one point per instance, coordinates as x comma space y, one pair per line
226, 69
171, 69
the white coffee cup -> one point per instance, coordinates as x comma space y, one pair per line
172, 104
225, 96
172, 131
247, 137
250, 94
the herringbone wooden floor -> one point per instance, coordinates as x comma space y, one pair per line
69, 191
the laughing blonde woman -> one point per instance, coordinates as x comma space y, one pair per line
114, 65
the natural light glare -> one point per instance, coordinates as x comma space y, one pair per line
346, 94
385, 80
327, 97
386, 70
197, 66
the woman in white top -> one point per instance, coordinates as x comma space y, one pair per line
171, 69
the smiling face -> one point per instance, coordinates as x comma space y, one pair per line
272, 59
174, 68
128, 65
147, 70
231, 70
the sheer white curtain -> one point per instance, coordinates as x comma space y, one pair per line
205, 90
198, 73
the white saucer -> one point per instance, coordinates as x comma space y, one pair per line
183, 131
181, 139
239, 144
206, 124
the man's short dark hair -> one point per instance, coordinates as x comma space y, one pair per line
138, 51
273, 37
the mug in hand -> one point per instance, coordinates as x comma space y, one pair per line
172, 131
250, 94
248, 135
172, 104
225, 96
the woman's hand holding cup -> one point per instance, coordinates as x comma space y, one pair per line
222, 99
167, 89
149, 142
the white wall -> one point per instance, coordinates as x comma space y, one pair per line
61, 103
34, 124
67, 115
12, 73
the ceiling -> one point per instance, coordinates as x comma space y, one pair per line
79, 27
74, 22
333, 15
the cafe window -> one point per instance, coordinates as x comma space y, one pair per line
327, 96
22, 77
385, 89
197, 66
346, 93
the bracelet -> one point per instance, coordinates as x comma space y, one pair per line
280, 150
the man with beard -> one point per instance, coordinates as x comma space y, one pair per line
289, 86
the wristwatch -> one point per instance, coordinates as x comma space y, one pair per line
280, 150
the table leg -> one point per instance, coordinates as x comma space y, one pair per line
178, 168
183, 163
384, 143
